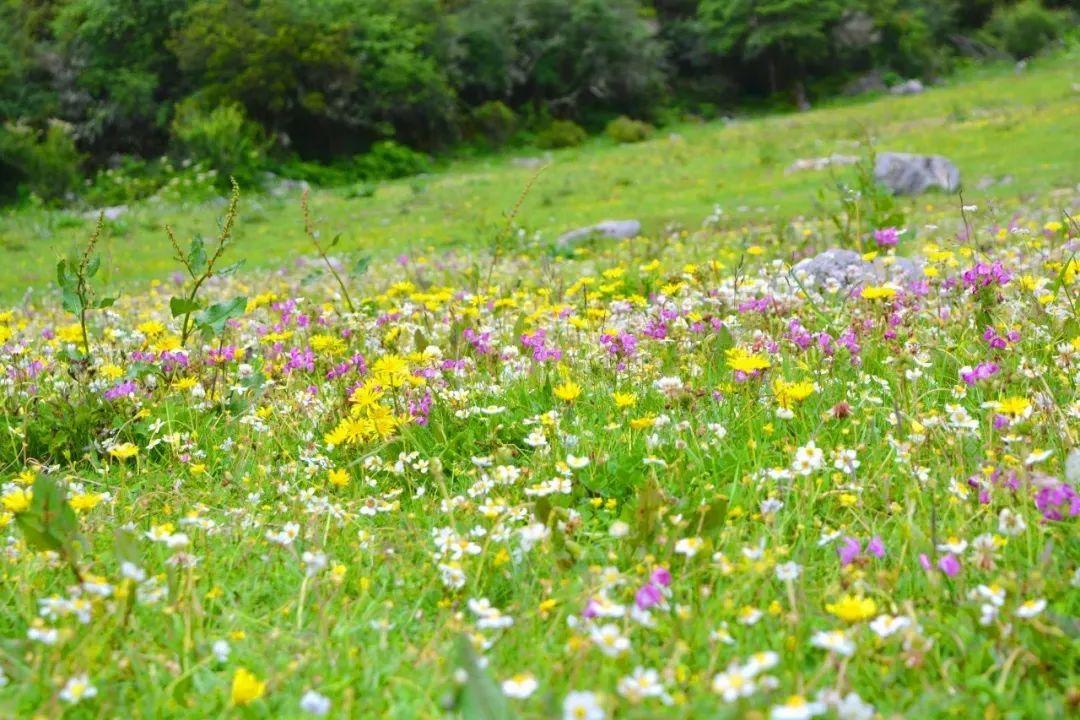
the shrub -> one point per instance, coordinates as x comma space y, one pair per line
223, 139
1022, 30
627, 130
45, 163
131, 179
561, 134
388, 160
494, 122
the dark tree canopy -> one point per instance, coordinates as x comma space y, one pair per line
91, 81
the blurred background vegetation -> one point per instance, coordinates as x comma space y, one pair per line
104, 102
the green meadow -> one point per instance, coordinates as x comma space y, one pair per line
995, 123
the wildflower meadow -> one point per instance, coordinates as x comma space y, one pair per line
673, 475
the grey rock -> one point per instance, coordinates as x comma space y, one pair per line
908, 87
614, 229
907, 174
873, 81
845, 269
529, 162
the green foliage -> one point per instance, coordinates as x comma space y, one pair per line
909, 38
493, 122
782, 36
118, 64
49, 523
302, 88
388, 160
561, 134
73, 276
627, 130
201, 265
479, 698
1025, 28
860, 204
385, 160
329, 76
45, 162
223, 138
563, 57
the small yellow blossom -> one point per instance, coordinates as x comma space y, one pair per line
124, 451
568, 391
852, 609
246, 687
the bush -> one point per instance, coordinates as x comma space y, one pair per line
44, 163
1022, 30
388, 160
627, 130
131, 179
223, 139
494, 122
560, 134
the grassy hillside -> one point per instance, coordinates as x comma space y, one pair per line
993, 125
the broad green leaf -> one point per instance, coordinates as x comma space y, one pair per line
197, 255
361, 265
71, 301
212, 320
713, 515
480, 698
182, 306
230, 269
126, 544
646, 513
62, 278
49, 523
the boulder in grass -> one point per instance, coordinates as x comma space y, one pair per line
842, 269
908, 87
613, 229
908, 174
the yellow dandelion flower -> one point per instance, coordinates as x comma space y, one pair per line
246, 687
569, 391
391, 371
1015, 406
852, 609
124, 451
85, 501
789, 393
878, 292
18, 500
365, 396
740, 360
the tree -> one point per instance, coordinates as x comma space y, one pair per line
558, 56
117, 78
331, 76
786, 36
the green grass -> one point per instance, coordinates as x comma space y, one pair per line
994, 124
